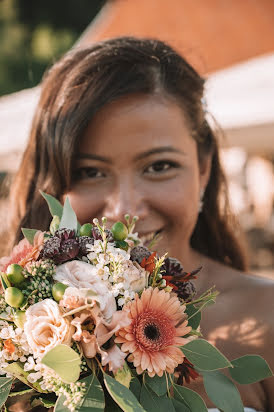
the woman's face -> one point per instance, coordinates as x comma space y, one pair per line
137, 156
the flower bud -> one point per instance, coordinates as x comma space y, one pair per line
119, 231
14, 273
20, 318
14, 297
58, 291
86, 229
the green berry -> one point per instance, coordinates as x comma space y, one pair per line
122, 244
119, 231
20, 318
58, 291
14, 297
14, 273
85, 230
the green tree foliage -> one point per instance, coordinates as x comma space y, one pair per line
35, 33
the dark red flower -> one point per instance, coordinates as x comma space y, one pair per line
179, 280
61, 247
186, 372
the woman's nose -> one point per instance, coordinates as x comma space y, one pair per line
125, 198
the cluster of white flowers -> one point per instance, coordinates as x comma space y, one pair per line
113, 265
72, 391
16, 339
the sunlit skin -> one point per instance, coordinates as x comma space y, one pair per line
137, 156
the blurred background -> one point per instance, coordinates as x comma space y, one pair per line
231, 42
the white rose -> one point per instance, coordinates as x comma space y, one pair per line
81, 275
106, 300
137, 276
45, 327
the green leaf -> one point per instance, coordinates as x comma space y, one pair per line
47, 403
190, 398
158, 385
222, 391
29, 234
135, 387
179, 406
123, 375
4, 280
5, 386
64, 361
23, 392
249, 369
204, 356
194, 316
59, 406
17, 370
54, 205
93, 399
68, 219
122, 396
151, 402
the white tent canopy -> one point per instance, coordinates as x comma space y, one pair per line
240, 98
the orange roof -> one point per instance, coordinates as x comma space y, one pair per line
212, 34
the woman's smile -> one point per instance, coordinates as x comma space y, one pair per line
137, 156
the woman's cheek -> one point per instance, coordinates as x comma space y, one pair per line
85, 204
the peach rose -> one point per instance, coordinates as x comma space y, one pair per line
45, 327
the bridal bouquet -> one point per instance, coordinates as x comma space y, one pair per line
93, 320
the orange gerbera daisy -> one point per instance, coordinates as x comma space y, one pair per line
155, 333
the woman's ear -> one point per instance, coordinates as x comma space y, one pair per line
205, 169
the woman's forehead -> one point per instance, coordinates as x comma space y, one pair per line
136, 122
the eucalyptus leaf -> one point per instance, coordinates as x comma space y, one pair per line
68, 219
179, 406
121, 395
159, 385
29, 234
123, 375
64, 361
135, 387
93, 399
194, 316
54, 205
222, 391
152, 402
205, 356
250, 369
190, 398
5, 386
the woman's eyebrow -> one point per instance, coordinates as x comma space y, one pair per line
163, 149
93, 157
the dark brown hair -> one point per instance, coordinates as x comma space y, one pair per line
75, 89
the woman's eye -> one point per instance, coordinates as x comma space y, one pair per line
161, 166
87, 173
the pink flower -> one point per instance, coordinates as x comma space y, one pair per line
24, 252
93, 331
157, 330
